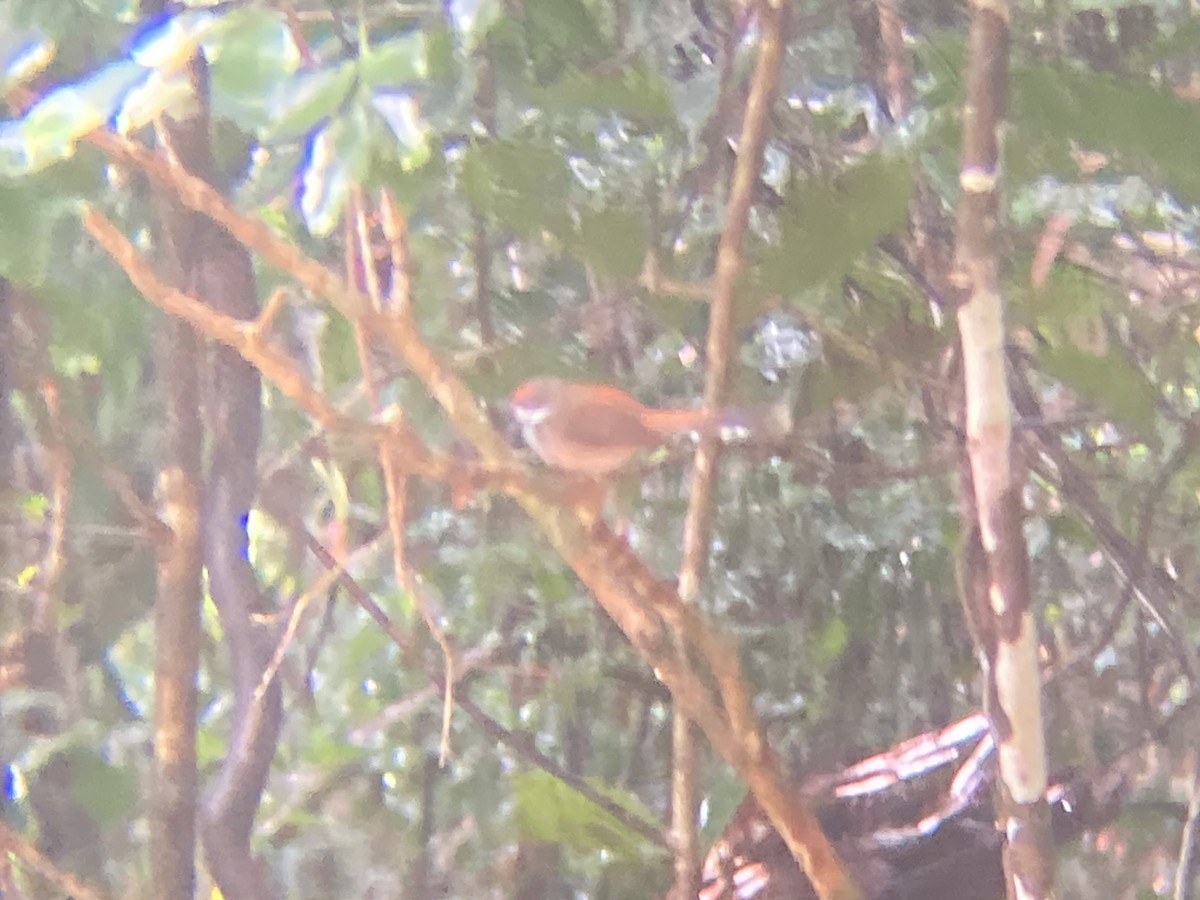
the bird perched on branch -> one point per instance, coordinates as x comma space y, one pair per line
596, 429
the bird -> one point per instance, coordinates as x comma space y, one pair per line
597, 429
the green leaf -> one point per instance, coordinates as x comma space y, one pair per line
149, 99
395, 63
339, 353
633, 92
1109, 382
614, 241
33, 506
83, 734
522, 184
299, 103
473, 19
35, 215
26, 235
549, 810
402, 116
725, 793
22, 57
410, 176
52, 127
1146, 128
1069, 293
1183, 40
119, 10
331, 751
168, 43
107, 793
826, 226
211, 745
561, 34
251, 64
842, 377
830, 640
104, 334
336, 160
562, 24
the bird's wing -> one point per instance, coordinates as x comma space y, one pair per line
596, 425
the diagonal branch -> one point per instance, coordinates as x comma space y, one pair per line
30, 858
642, 614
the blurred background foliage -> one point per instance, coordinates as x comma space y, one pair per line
562, 166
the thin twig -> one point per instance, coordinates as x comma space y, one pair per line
320, 585
35, 861
395, 232
395, 473
523, 745
394, 482
697, 527
1185, 872
55, 561
1136, 570
118, 481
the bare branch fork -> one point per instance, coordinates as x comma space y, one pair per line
647, 611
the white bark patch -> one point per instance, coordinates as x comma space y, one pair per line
1018, 688
996, 595
976, 180
989, 417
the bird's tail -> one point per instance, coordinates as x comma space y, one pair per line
733, 424
764, 422
677, 421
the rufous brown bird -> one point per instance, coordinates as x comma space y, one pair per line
596, 429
